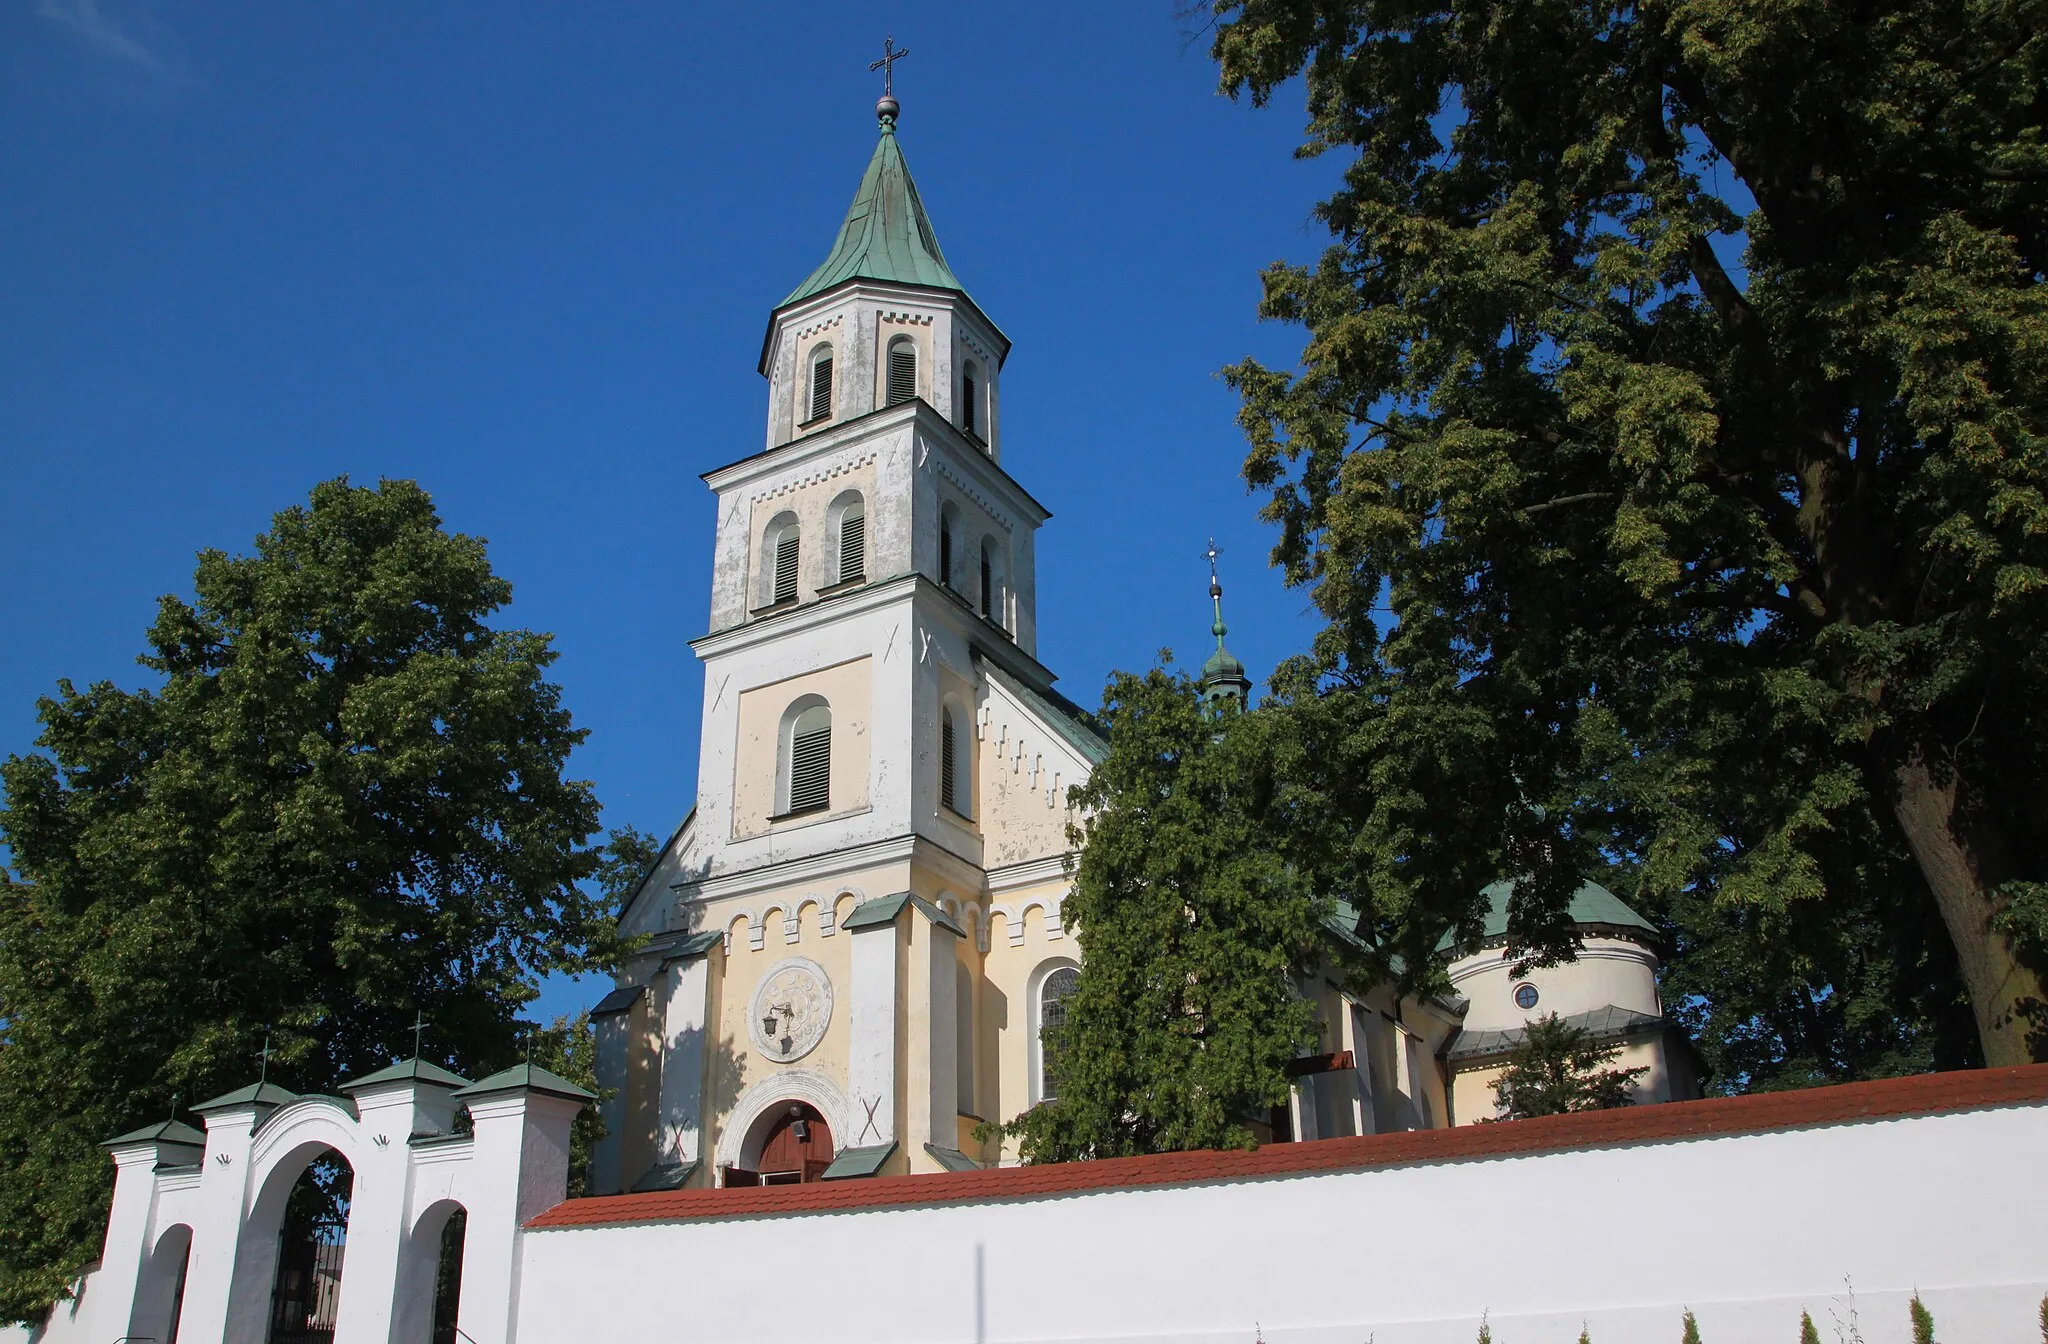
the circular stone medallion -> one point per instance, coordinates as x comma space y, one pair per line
791, 1009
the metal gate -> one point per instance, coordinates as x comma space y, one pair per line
308, 1287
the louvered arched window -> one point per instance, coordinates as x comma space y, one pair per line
820, 389
846, 534
781, 549
970, 397
902, 370
988, 584
954, 778
807, 760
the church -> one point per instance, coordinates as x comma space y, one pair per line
848, 951
853, 942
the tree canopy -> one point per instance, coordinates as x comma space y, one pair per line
1197, 930
340, 803
1669, 458
1559, 1068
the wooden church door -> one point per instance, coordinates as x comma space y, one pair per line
796, 1151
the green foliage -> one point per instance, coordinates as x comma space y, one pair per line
1692, 1329
1485, 1331
341, 801
1559, 1068
1923, 1321
1807, 1333
1197, 928
1585, 1334
627, 855
1656, 530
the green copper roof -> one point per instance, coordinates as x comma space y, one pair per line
163, 1131
1592, 905
255, 1094
528, 1078
886, 236
408, 1071
855, 1162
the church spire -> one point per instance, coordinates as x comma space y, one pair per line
1225, 687
886, 235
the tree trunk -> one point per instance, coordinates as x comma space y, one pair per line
1961, 864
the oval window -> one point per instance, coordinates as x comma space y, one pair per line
1525, 996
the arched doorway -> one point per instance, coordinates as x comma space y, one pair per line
448, 1279
795, 1148
305, 1294
160, 1293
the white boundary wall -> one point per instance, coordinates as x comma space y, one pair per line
1744, 1229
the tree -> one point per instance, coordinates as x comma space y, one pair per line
1669, 456
1559, 1068
341, 802
1197, 932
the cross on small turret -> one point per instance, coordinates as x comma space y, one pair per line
887, 65
263, 1058
1215, 584
419, 1031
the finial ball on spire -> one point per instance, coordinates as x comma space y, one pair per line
887, 109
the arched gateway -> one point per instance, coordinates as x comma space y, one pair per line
249, 1233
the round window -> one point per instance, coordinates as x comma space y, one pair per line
1525, 996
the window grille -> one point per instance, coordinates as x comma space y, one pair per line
987, 584
821, 387
968, 390
902, 372
853, 544
785, 567
810, 761
948, 745
1052, 1012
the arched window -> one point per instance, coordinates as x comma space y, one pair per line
902, 370
988, 584
850, 530
955, 779
949, 521
963, 1040
781, 548
806, 758
970, 397
1053, 993
820, 389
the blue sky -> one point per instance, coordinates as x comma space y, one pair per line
525, 254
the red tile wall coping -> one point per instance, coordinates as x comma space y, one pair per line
1848, 1103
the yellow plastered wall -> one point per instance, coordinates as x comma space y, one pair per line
848, 688
812, 505
1473, 1087
1010, 972
1022, 818
734, 1065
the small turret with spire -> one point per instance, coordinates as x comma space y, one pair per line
1225, 687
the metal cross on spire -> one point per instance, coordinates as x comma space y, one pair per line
263, 1069
887, 65
1215, 585
419, 1031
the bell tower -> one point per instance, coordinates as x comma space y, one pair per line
884, 764
868, 554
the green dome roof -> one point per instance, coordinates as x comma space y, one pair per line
1222, 665
886, 235
1593, 906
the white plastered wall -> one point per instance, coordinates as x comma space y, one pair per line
1746, 1231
